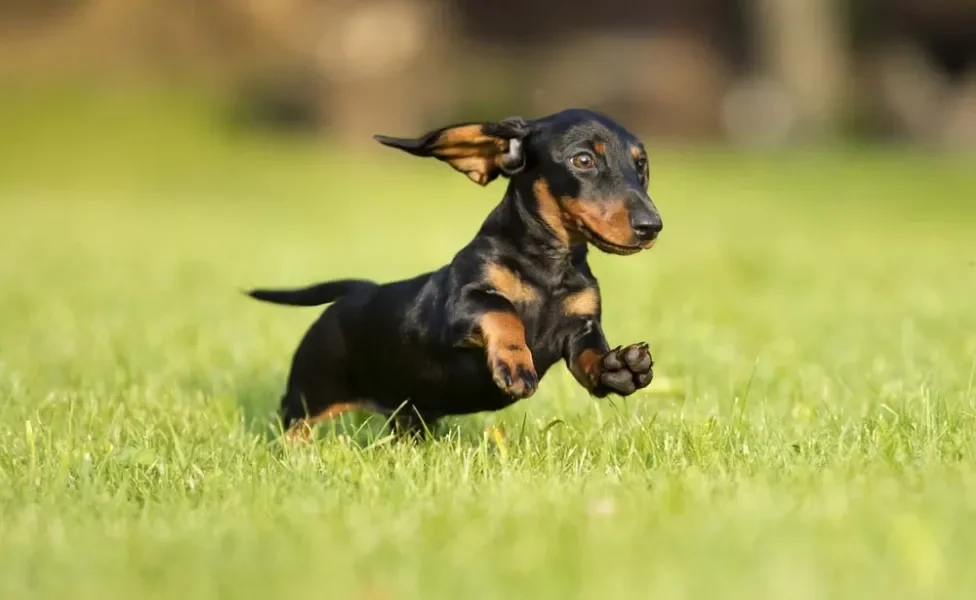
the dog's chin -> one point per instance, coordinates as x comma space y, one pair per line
609, 247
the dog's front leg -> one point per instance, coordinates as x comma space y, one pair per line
603, 371
488, 320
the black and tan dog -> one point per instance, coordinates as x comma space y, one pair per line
479, 333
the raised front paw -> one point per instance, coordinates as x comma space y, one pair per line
626, 370
513, 371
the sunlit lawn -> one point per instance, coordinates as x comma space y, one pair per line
811, 432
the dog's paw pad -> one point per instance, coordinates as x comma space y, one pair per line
626, 370
638, 358
621, 381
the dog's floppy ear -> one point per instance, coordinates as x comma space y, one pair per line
482, 151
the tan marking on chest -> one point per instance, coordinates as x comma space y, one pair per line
584, 302
510, 285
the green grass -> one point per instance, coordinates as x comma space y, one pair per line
811, 433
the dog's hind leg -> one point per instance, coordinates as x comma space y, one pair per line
302, 428
316, 401
408, 422
318, 382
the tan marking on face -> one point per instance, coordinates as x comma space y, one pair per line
302, 429
586, 370
609, 220
584, 302
509, 284
635, 152
550, 211
600, 147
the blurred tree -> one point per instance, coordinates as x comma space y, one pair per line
803, 48
762, 70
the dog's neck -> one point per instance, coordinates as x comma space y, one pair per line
518, 222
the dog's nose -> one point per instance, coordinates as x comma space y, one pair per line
646, 225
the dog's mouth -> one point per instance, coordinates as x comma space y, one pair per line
609, 247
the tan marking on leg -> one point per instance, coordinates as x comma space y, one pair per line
303, 428
586, 370
585, 302
502, 331
503, 337
509, 284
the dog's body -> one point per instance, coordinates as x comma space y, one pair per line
479, 333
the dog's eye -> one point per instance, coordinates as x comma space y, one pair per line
583, 160
641, 165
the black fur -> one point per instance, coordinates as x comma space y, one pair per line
314, 295
445, 342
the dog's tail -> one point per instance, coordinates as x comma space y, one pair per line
314, 295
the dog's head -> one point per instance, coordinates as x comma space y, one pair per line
586, 174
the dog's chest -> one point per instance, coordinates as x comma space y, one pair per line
547, 324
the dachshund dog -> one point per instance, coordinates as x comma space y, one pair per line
480, 333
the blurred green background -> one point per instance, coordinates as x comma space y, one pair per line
750, 72
809, 433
